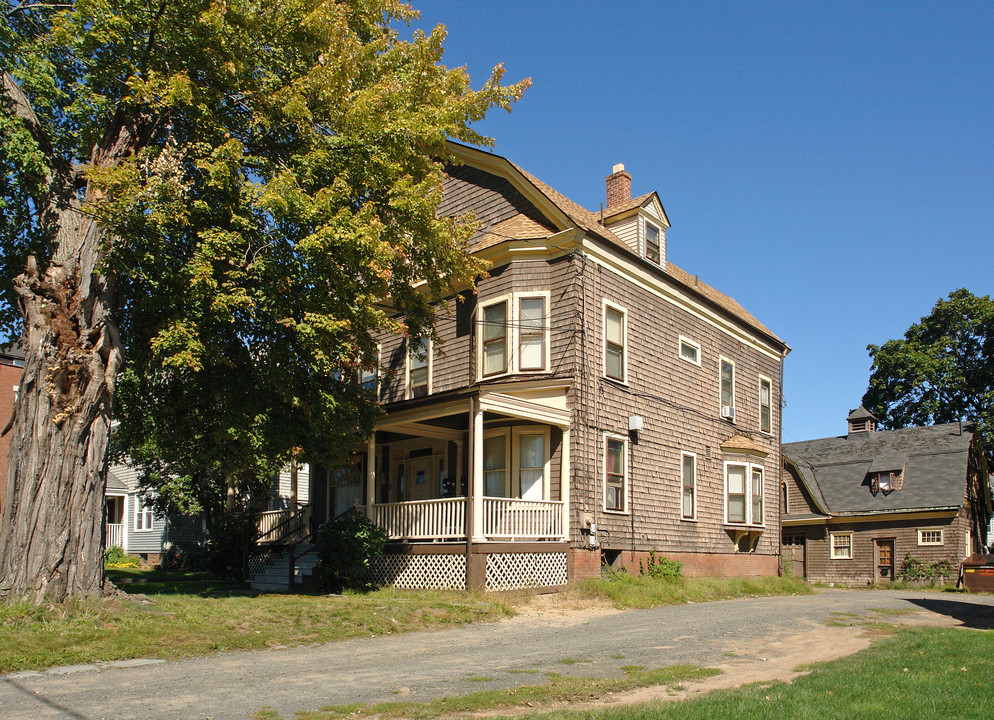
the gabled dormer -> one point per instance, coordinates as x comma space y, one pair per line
640, 222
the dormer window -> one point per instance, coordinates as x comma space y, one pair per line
652, 242
886, 481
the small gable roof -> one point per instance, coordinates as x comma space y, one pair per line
861, 413
934, 461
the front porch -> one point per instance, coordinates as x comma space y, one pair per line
473, 492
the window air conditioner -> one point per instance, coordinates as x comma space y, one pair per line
728, 412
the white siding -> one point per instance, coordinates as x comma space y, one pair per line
303, 483
628, 231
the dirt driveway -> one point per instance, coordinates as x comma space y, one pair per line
751, 640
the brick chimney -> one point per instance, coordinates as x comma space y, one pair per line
619, 186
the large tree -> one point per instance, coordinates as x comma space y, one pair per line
942, 370
221, 192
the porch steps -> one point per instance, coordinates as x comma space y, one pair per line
275, 571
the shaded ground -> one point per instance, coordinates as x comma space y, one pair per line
752, 640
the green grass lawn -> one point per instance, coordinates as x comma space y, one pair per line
192, 614
917, 673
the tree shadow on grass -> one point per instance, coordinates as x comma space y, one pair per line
975, 615
175, 582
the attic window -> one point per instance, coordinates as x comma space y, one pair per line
887, 481
652, 242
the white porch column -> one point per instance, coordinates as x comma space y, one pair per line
371, 475
564, 484
476, 474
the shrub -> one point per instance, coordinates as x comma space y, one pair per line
115, 557
346, 547
225, 546
659, 566
913, 568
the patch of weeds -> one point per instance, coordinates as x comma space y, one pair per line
632, 668
561, 688
519, 671
891, 611
574, 661
618, 657
477, 678
731, 654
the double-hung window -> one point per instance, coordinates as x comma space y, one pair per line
369, 377
495, 338
531, 465
419, 368
652, 242
143, 514
495, 466
765, 405
688, 509
841, 546
531, 333
615, 474
727, 383
615, 332
744, 504
514, 334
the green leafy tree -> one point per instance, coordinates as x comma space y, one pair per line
223, 192
941, 371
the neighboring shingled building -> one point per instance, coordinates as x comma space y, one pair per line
11, 366
855, 506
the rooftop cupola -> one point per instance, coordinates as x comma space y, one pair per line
619, 186
861, 420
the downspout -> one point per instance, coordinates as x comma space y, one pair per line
780, 484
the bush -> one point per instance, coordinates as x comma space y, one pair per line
225, 546
914, 569
346, 548
115, 557
659, 566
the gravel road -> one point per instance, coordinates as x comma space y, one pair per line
431, 664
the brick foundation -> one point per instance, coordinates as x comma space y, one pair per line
586, 563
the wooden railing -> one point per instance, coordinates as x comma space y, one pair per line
445, 519
509, 518
284, 526
114, 535
422, 519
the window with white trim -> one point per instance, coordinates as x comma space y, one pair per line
143, 514
494, 338
514, 334
690, 351
532, 329
495, 476
652, 242
841, 546
615, 473
419, 368
726, 382
531, 465
615, 342
744, 502
688, 472
369, 377
765, 405
930, 537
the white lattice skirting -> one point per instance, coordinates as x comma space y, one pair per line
515, 571
418, 572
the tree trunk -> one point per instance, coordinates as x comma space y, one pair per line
51, 518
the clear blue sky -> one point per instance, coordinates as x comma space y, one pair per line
829, 165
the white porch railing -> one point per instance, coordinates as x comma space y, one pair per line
295, 524
422, 519
115, 535
522, 519
444, 519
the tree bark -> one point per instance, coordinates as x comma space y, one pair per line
52, 513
